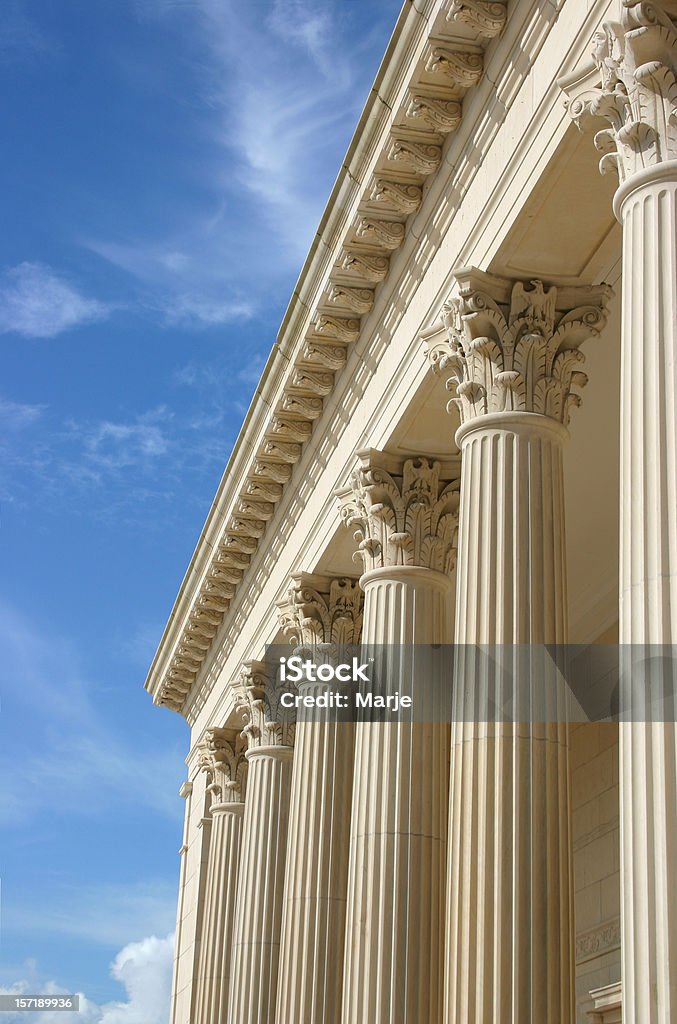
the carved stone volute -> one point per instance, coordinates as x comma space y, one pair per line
267, 724
222, 757
636, 58
404, 511
512, 346
321, 610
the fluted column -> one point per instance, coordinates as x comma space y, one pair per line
223, 759
634, 114
321, 616
405, 513
512, 357
258, 915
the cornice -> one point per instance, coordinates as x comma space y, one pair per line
396, 149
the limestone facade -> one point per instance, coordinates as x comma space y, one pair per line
465, 435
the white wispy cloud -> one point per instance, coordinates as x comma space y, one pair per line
37, 303
193, 310
276, 89
143, 969
113, 446
16, 416
118, 466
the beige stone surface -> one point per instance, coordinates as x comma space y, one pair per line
469, 214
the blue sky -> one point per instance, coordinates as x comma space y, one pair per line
165, 165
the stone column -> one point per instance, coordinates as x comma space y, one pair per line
185, 792
323, 616
512, 356
223, 759
258, 914
635, 107
405, 514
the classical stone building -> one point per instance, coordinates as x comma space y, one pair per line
423, 392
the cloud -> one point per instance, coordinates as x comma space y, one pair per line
192, 310
116, 467
311, 26
36, 303
274, 90
113, 446
16, 416
143, 969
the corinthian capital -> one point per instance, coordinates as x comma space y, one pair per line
321, 610
222, 757
266, 722
404, 511
636, 59
515, 347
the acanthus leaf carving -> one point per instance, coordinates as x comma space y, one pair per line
311, 408
222, 758
518, 351
267, 724
319, 610
385, 233
462, 69
279, 472
340, 328
333, 357
259, 487
402, 511
371, 268
218, 588
360, 300
362, 262
288, 451
421, 158
637, 63
317, 382
441, 115
238, 543
253, 528
264, 510
214, 601
293, 430
486, 17
403, 198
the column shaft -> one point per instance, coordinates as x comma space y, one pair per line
394, 934
648, 591
509, 925
256, 932
313, 933
216, 946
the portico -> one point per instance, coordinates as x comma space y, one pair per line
464, 434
